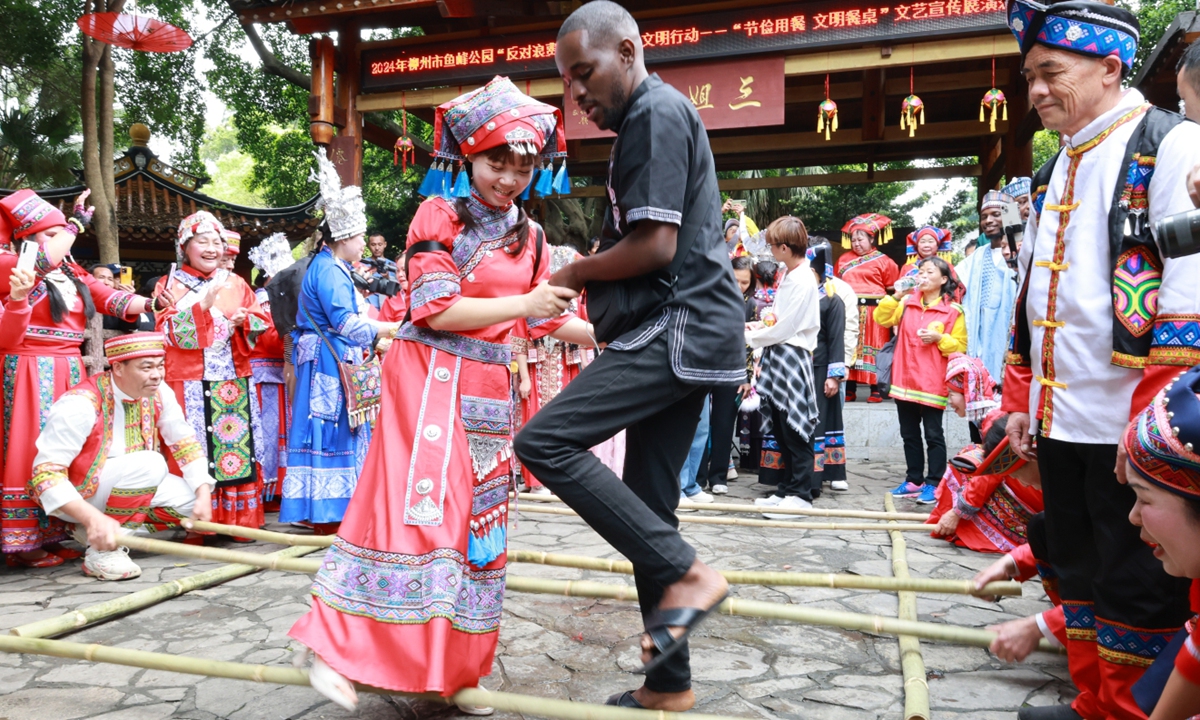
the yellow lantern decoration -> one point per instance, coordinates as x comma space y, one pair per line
827, 121
912, 108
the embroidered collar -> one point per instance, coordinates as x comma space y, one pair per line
874, 254
1099, 128
196, 273
486, 214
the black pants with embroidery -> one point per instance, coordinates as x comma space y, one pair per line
638, 392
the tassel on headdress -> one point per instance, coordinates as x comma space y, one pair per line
462, 185
876, 225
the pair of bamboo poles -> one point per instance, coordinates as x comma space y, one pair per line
29, 638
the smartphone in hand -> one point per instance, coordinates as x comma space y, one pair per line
126, 275
28, 257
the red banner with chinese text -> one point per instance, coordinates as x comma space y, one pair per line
741, 93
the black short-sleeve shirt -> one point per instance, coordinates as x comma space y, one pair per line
662, 169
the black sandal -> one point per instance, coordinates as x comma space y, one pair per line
625, 699
666, 644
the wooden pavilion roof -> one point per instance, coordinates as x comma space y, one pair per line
1156, 79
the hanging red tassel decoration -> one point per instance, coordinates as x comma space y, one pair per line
404, 144
827, 113
993, 99
911, 108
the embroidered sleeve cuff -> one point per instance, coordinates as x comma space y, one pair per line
51, 487
836, 370
434, 285
963, 508
118, 303
652, 213
357, 330
520, 346
254, 327
42, 264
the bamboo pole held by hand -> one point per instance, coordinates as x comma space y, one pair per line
99, 612
784, 579
702, 520
744, 508
912, 665
270, 562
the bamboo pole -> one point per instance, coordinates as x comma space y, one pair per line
911, 527
912, 665
785, 579
505, 702
778, 611
743, 508
781, 579
582, 588
270, 562
82, 617
278, 538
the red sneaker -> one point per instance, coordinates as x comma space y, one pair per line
875, 398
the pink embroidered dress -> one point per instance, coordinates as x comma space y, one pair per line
409, 596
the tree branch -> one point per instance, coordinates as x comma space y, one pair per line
271, 64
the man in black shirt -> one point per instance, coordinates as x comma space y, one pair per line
652, 379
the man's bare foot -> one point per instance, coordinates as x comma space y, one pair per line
671, 702
700, 587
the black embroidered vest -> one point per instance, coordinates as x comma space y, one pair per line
1136, 263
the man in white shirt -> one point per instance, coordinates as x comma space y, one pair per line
1102, 322
100, 462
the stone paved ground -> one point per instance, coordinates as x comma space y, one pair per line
553, 646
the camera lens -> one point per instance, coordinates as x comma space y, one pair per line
1179, 235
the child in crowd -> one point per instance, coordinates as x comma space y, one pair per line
829, 368
930, 328
971, 392
786, 383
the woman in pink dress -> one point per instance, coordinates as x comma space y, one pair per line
409, 596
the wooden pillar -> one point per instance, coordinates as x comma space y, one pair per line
1018, 150
321, 96
873, 101
991, 165
346, 149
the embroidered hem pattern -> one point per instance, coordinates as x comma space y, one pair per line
410, 589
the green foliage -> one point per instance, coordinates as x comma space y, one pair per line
391, 197
1045, 147
959, 215
827, 208
229, 168
36, 149
1154, 18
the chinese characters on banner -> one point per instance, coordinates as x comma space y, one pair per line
784, 28
745, 93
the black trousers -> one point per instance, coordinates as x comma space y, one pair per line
828, 439
721, 422
1100, 559
638, 392
797, 478
914, 416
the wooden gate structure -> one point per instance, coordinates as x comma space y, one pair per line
756, 69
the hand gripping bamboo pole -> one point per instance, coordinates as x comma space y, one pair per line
744, 508
781, 579
785, 579
581, 588
911, 527
506, 702
912, 665
144, 598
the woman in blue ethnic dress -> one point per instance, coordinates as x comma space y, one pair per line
409, 596
325, 450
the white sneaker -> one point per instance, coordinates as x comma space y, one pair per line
682, 499
541, 490
732, 474
701, 497
332, 684
720, 489
112, 565
791, 502
768, 501
478, 710
839, 485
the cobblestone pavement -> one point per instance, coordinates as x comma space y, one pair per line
552, 646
